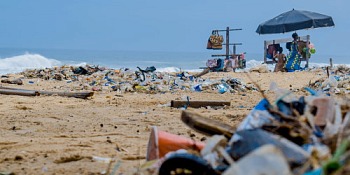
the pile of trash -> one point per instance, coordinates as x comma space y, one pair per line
61, 73
149, 80
126, 80
337, 82
306, 135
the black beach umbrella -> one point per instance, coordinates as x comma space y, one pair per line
294, 20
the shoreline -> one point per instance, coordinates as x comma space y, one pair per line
164, 63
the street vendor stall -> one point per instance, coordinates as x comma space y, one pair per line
216, 42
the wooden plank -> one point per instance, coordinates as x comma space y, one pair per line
198, 104
285, 40
69, 94
278, 41
218, 55
221, 55
82, 95
18, 92
229, 30
205, 125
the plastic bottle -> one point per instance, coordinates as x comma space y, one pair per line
197, 88
333, 82
223, 87
284, 94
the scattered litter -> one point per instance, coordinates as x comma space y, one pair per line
306, 135
147, 80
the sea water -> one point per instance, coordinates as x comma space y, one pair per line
17, 60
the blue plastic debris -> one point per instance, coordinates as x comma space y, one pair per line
315, 172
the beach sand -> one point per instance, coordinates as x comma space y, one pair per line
60, 135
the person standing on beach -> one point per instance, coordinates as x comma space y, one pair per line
293, 58
280, 60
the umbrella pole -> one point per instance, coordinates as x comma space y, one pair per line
307, 48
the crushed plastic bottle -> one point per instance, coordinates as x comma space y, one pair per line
223, 87
197, 88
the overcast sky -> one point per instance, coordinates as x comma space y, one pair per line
159, 25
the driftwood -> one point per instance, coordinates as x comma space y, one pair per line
68, 94
25, 92
205, 125
198, 104
205, 71
18, 92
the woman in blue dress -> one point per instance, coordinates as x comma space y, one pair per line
293, 58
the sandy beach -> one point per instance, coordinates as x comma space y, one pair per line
61, 135
174, 87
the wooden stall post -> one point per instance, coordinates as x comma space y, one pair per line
265, 52
227, 42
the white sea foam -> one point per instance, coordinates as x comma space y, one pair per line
27, 61
79, 64
168, 69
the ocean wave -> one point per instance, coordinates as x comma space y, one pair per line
26, 61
